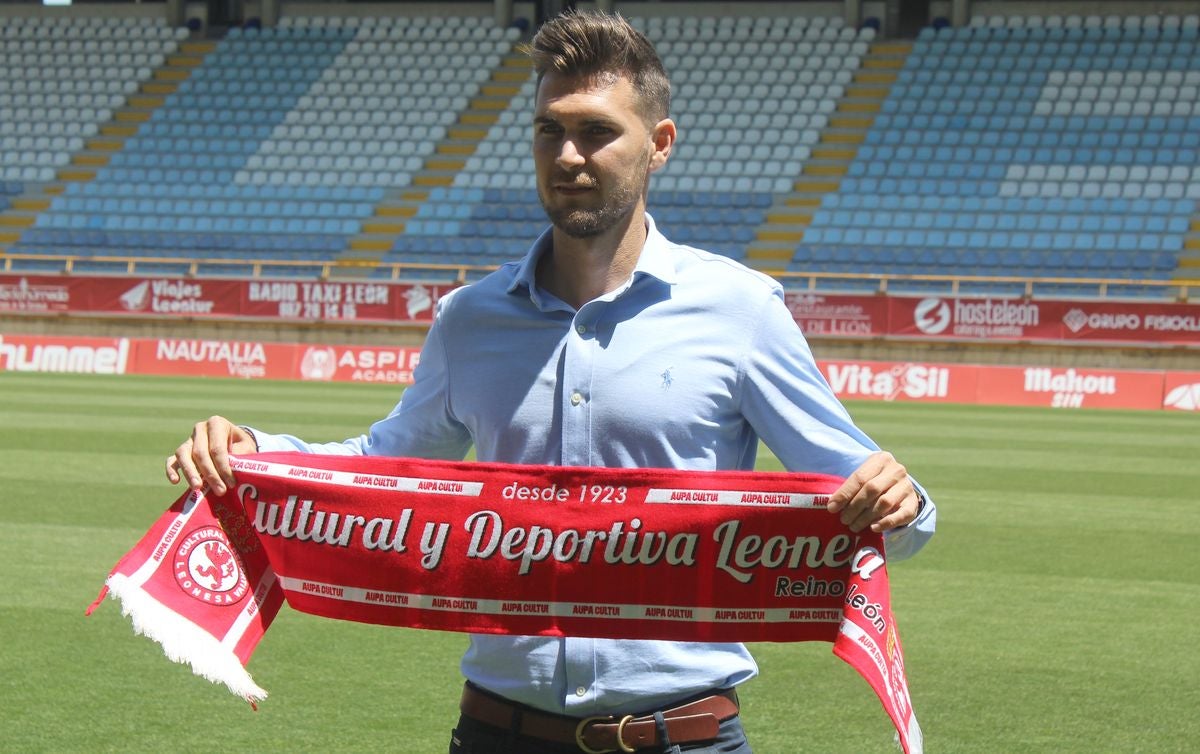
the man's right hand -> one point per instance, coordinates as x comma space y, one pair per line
204, 457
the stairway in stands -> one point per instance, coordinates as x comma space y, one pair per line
786, 221
90, 57
394, 214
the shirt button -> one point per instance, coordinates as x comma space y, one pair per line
576, 399
581, 329
580, 691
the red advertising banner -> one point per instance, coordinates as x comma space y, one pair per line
357, 363
315, 300
291, 300
180, 297
183, 357
851, 380
819, 314
36, 294
1044, 319
890, 381
1069, 388
1181, 391
214, 358
1127, 321
968, 318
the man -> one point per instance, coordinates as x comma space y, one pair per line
608, 345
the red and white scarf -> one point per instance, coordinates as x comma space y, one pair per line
508, 549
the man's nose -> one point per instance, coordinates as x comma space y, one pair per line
569, 156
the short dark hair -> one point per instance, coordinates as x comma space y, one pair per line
590, 43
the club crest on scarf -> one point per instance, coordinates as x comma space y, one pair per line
207, 569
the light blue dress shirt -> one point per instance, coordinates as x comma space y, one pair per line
687, 365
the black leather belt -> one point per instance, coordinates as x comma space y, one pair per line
688, 723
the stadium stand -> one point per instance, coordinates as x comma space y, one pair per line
729, 168
61, 78
1061, 147
288, 91
279, 143
1019, 146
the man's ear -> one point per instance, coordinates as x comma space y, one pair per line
664, 140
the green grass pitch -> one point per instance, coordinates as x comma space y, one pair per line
1055, 611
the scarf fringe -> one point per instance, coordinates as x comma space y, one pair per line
183, 641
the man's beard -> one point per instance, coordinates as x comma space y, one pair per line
577, 222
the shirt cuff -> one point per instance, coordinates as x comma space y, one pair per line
253, 436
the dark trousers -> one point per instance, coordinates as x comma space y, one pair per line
473, 737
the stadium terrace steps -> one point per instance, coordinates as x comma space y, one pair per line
785, 223
394, 216
754, 98
17, 220
118, 130
31, 204
277, 112
70, 103
1027, 150
874, 77
16, 216
1189, 258
138, 109
106, 144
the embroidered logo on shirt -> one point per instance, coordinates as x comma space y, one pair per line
666, 378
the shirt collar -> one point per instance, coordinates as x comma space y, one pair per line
655, 260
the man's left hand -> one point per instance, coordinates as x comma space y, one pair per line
879, 494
